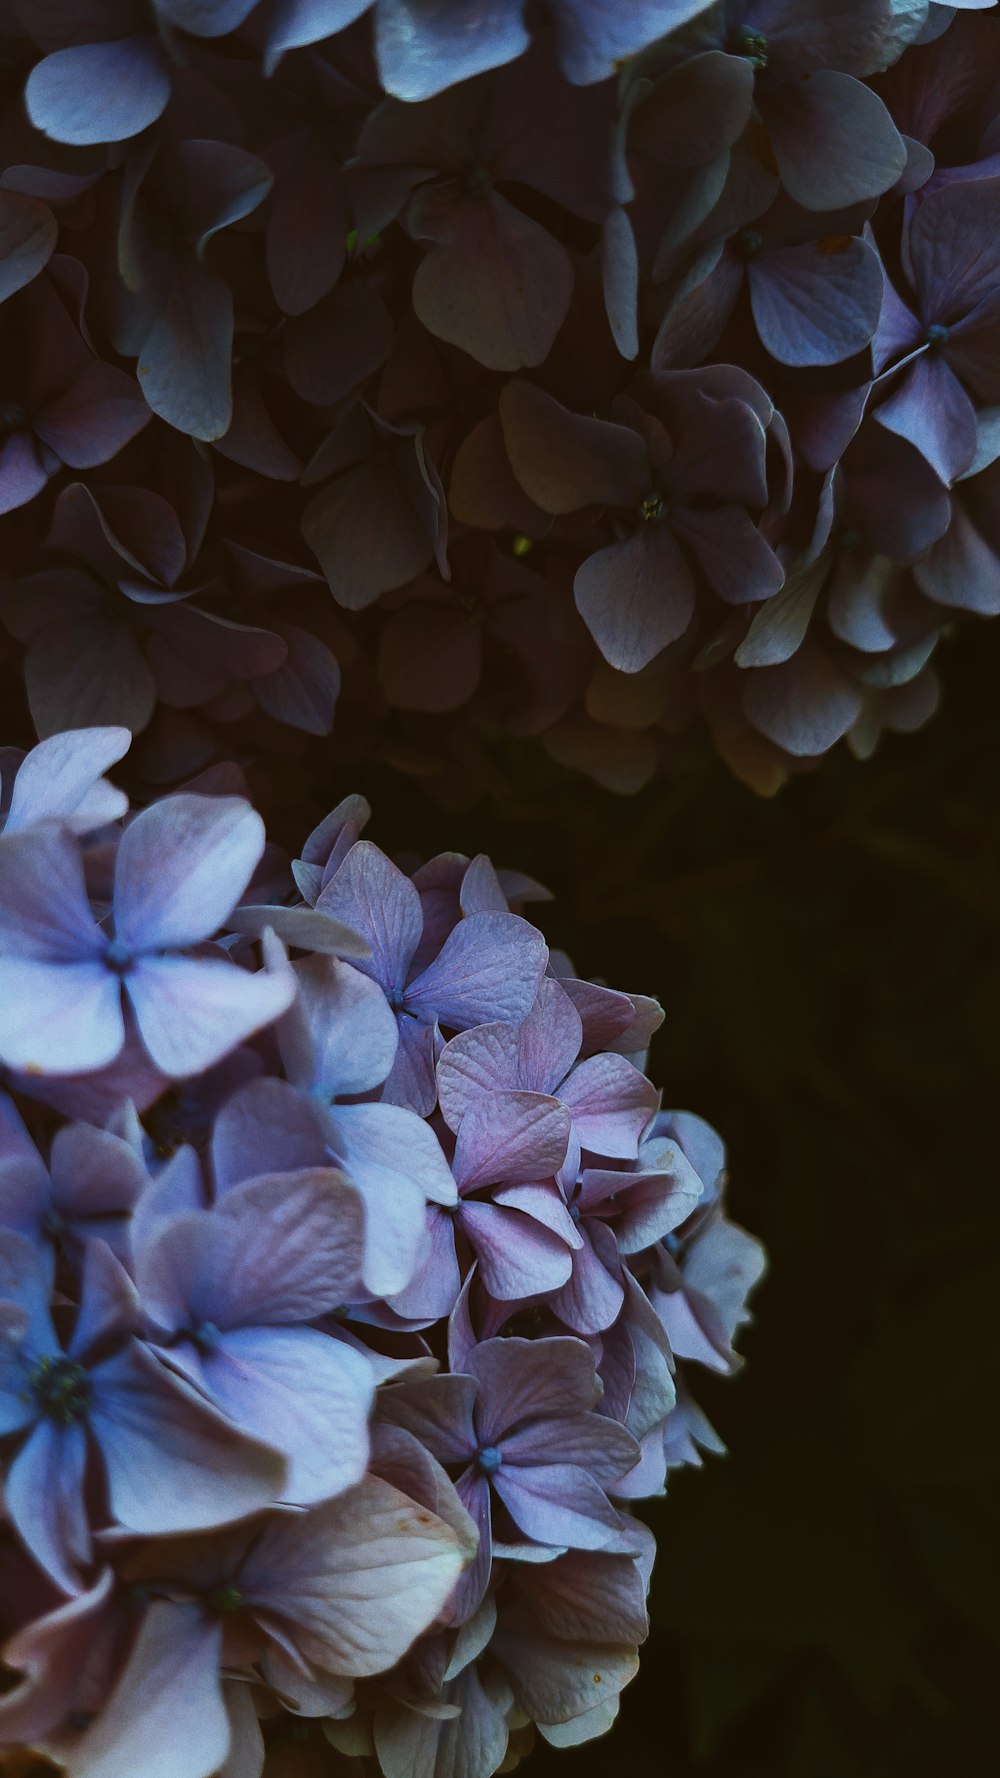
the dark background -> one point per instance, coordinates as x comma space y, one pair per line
826, 1602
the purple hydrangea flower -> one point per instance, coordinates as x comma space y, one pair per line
814, 109
947, 348
492, 280
609, 1102
681, 468
169, 1460
338, 1042
228, 1293
180, 867
91, 1185
509, 1212
488, 966
519, 1424
306, 1602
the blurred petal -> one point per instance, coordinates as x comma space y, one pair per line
59, 1018
804, 705
419, 51
565, 461
181, 867
99, 92
279, 1248
22, 474
92, 420
44, 911
173, 1462
303, 692
61, 777
266, 1127
44, 1496
928, 406
340, 1034
395, 1160
184, 364
303, 1392
734, 557
28, 236
637, 596
594, 38
833, 140
498, 288
169, 1695
87, 671
818, 303
191, 1011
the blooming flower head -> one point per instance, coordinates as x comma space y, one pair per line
327, 1388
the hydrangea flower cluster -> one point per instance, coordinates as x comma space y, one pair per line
440, 374
351, 1282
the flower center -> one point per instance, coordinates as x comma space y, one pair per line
489, 1459
206, 1336
750, 242
12, 415
574, 1213
53, 1225
936, 334
478, 178
225, 1599
752, 45
61, 1388
117, 957
651, 507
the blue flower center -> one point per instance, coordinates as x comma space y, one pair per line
751, 45
651, 507
936, 334
489, 1459
53, 1225
12, 415
574, 1213
750, 242
206, 1336
61, 1388
117, 957
478, 178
